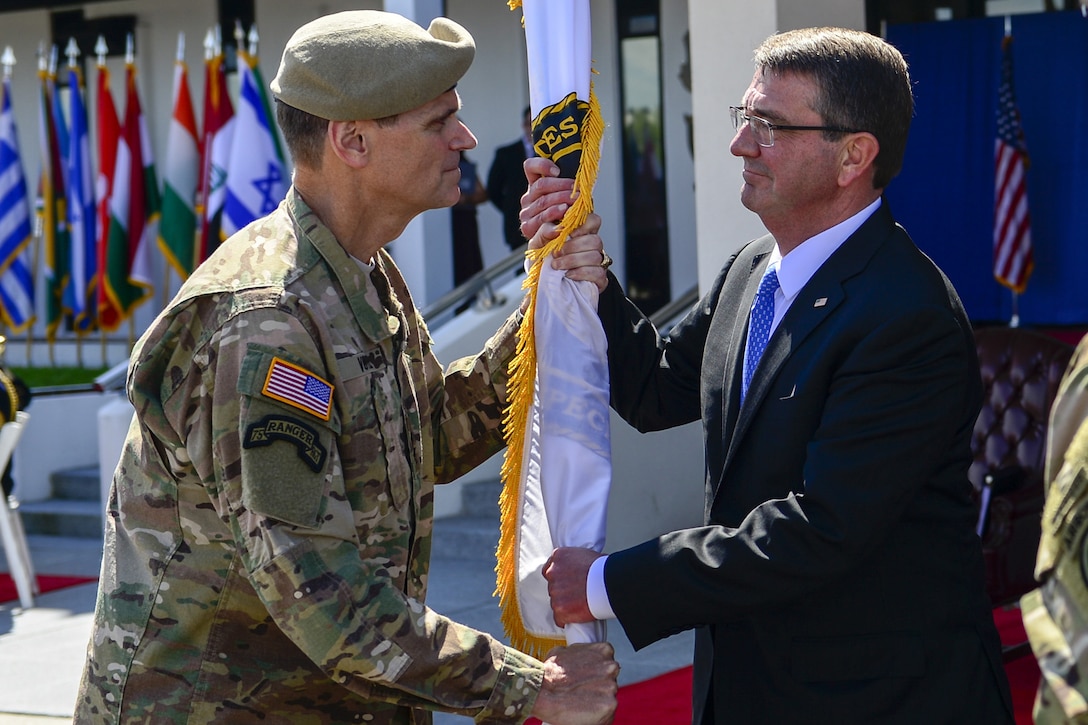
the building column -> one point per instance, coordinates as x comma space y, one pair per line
424, 251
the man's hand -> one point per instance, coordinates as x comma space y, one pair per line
579, 685
566, 571
548, 197
543, 205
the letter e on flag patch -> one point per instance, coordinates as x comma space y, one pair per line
299, 388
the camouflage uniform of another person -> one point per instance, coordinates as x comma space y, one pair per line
269, 524
1056, 614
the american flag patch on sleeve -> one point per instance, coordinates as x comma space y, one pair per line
299, 388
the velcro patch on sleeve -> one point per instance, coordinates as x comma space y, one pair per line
299, 388
273, 428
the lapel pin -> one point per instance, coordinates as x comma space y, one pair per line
820, 302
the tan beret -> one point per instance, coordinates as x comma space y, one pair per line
363, 64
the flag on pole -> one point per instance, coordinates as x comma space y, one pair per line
16, 271
134, 209
79, 292
62, 269
557, 471
50, 206
256, 175
177, 228
1013, 258
214, 153
109, 136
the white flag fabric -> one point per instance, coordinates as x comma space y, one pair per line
256, 174
558, 470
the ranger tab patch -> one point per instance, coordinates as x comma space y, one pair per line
281, 428
297, 387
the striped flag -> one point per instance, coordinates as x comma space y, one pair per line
109, 135
16, 272
177, 228
214, 156
134, 210
1013, 258
55, 236
79, 294
256, 175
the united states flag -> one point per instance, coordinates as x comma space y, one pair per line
299, 388
1013, 259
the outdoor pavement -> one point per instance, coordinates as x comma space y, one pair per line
42, 649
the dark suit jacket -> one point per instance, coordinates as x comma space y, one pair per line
505, 185
837, 577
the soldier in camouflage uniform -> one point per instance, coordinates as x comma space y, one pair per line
269, 524
1056, 614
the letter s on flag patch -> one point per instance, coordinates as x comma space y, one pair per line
299, 388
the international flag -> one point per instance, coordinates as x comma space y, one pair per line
177, 228
53, 143
558, 470
214, 156
16, 270
257, 178
79, 292
109, 136
1013, 257
134, 210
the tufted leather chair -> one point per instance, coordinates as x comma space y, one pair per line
1021, 370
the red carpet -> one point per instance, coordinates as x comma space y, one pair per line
666, 699
46, 583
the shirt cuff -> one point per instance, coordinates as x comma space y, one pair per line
596, 594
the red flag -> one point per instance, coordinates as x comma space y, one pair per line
109, 132
214, 155
133, 206
1013, 260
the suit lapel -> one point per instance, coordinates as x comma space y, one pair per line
816, 302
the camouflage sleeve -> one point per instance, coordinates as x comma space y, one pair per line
279, 481
1056, 614
470, 405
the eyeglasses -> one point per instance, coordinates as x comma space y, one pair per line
763, 130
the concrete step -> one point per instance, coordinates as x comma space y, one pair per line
474, 535
76, 484
61, 517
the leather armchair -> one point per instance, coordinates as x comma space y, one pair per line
1021, 370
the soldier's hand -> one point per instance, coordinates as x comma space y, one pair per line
579, 685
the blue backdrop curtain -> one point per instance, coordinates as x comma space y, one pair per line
945, 194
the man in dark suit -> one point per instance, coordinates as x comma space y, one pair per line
837, 576
506, 181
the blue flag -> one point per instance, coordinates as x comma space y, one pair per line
79, 292
16, 273
256, 174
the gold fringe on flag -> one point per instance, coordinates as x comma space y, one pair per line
521, 385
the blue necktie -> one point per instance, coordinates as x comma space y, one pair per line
759, 327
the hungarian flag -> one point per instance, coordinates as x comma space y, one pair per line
16, 272
214, 156
109, 135
257, 177
134, 209
50, 207
558, 470
79, 293
177, 228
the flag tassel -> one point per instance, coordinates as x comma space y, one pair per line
522, 378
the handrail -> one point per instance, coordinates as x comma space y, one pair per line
679, 305
481, 281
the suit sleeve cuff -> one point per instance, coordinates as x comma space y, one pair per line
596, 594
